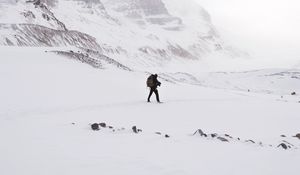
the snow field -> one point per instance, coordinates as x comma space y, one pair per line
42, 94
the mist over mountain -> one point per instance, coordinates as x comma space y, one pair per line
268, 29
163, 32
77, 78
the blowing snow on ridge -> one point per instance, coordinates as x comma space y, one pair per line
73, 94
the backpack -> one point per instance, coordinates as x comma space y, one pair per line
150, 81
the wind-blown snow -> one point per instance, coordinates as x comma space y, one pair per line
87, 61
42, 94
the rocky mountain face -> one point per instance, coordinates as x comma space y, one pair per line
147, 33
36, 35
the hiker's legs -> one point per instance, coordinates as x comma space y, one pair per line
157, 96
151, 92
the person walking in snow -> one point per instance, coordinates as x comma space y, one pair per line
152, 83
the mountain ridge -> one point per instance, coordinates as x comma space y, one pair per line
115, 24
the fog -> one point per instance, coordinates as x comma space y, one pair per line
267, 29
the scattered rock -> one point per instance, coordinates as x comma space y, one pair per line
227, 135
110, 127
282, 136
297, 135
103, 125
288, 143
250, 141
293, 93
95, 127
73, 123
222, 139
283, 145
213, 135
167, 136
238, 138
201, 133
159, 133
134, 129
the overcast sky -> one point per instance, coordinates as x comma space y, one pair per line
268, 29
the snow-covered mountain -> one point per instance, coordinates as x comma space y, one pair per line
138, 33
246, 122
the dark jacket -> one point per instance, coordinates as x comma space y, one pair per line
156, 82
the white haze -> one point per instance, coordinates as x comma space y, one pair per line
267, 29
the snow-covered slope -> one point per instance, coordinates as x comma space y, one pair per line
36, 35
245, 122
48, 103
281, 82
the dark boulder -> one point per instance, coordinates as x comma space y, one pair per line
222, 139
283, 145
229, 136
95, 127
103, 125
251, 141
297, 135
200, 132
134, 129
213, 135
293, 93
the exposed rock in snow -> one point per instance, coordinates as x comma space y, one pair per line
92, 58
138, 33
36, 35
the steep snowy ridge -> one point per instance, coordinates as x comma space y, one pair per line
31, 12
36, 35
93, 58
143, 11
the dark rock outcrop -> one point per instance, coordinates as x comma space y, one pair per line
297, 136
222, 139
200, 132
40, 36
103, 125
249, 141
95, 127
283, 145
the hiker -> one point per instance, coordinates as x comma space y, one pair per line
152, 83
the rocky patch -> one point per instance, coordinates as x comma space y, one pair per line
285, 145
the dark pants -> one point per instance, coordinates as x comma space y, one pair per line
156, 94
